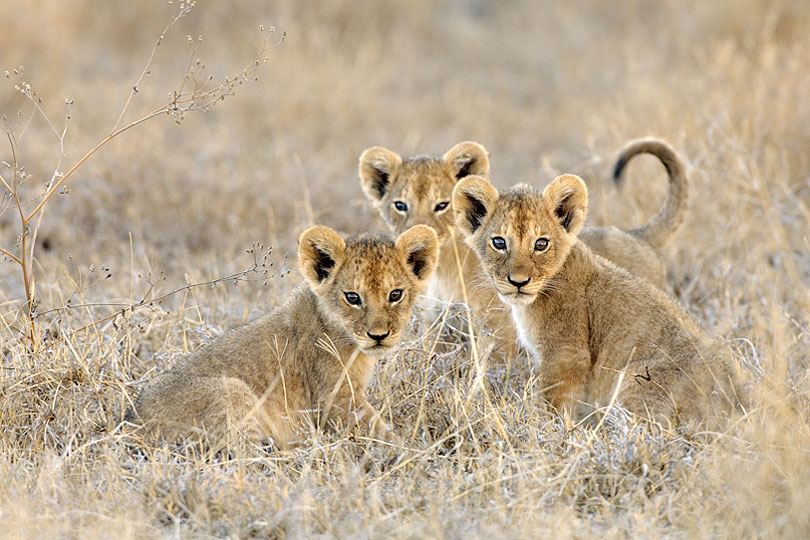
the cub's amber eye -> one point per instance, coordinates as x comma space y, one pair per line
499, 243
353, 298
541, 244
395, 295
441, 206
401, 206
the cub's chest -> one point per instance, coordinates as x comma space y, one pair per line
360, 369
522, 321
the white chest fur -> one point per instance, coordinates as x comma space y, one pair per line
520, 318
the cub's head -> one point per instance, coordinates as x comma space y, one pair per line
418, 191
368, 283
521, 236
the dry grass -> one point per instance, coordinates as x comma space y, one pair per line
546, 87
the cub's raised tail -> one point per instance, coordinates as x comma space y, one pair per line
669, 217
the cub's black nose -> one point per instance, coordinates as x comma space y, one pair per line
378, 337
518, 284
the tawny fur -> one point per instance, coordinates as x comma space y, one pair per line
586, 318
424, 185
309, 361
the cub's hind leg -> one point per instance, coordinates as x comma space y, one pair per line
222, 409
668, 391
705, 389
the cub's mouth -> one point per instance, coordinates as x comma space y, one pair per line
376, 348
517, 297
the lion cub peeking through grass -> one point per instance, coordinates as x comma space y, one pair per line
588, 319
418, 190
311, 359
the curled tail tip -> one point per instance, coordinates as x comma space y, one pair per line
618, 169
648, 145
630, 150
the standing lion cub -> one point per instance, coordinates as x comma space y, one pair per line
585, 317
312, 358
418, 190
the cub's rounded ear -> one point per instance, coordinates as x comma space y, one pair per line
467, 158
418, 248
377, 164
474, 200
320, 250
567, 199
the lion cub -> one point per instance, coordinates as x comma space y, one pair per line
585, 317
312, 358
418, 190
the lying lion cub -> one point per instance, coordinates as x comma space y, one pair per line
585, 317
417, 190
309, 360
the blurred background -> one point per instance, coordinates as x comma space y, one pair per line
546, 87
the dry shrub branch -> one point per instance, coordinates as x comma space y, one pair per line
197, 91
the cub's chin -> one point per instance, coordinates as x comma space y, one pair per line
517, 298
376, 349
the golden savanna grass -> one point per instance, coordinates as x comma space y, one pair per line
546, 87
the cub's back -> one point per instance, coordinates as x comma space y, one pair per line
626, 311
627, 252
256, 351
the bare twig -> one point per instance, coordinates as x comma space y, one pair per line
61, 137
180, 102
87, 156
184, 10
11, 256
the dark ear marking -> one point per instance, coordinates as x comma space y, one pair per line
376, 166
464, 170
467, 159
323, 264
416, 261
474, 198
380, 182
476, 212
418, 249
564, 214
567, 200
320, 249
